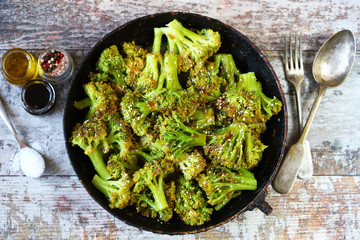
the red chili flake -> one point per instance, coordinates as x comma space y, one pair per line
62, 55
58, 61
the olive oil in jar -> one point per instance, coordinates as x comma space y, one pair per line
18, 66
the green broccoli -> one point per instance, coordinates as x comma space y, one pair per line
102, 101
271, 106
191, 164
135, 111
135, 58
111, 62
202, 119
226, 68
205, 79
180, 137
241, 106
221, 184
191, 204
234, 146
149, 77
153, 151
120, 137
152, 195
185, 103
118, 192
91, 137
192, 47
116, 165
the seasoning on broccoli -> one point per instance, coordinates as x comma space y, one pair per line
181, 137
91, 137
190, 203
118, 192
221, 184
152, 195
102, 101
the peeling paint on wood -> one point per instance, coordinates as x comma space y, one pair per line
325, 207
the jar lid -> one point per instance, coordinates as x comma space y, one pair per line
37, 96
55, 65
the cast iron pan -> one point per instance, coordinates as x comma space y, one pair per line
248, 58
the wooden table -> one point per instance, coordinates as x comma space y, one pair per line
56, 206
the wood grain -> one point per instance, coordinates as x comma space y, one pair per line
80, 24
60, 208
56, 206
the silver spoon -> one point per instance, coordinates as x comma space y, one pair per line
31, 162
331, 67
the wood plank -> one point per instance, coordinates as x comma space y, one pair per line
324, 207
80, 24
336, 120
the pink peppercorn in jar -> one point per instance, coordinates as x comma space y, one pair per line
55, 65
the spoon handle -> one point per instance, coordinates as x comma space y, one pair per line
8, 123
289, 169
314, 108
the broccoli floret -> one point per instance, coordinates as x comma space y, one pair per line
120, 137
205, 79
152, 196
180, 137
154, 151
193, 47
234, 146
221, 184
135, 58
99, 77
168, 80
191, 164
184, 103
149, 77
118, 192
241, 106
271, 106
91, 137
116, 165
202, 119
135, 111
226, 68
102, 101
111, 62
191, 204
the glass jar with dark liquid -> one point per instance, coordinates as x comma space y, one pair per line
38, 96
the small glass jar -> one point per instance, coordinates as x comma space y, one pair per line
37, 96
55, 65
18, 66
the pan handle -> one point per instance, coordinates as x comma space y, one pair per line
261, 204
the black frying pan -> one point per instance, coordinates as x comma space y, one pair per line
248, 58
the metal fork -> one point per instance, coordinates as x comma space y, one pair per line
294, 70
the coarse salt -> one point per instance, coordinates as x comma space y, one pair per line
31, 162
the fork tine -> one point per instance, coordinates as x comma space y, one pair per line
296, 61
300, 51
291, 54
286, 52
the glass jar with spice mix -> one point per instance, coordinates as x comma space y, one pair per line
55, 65
18, 66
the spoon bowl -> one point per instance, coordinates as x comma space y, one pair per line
334, 60
32, 163
331, 67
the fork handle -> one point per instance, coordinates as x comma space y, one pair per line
299, 110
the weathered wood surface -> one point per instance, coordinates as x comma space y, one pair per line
325, 207
57, 207
80, 24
